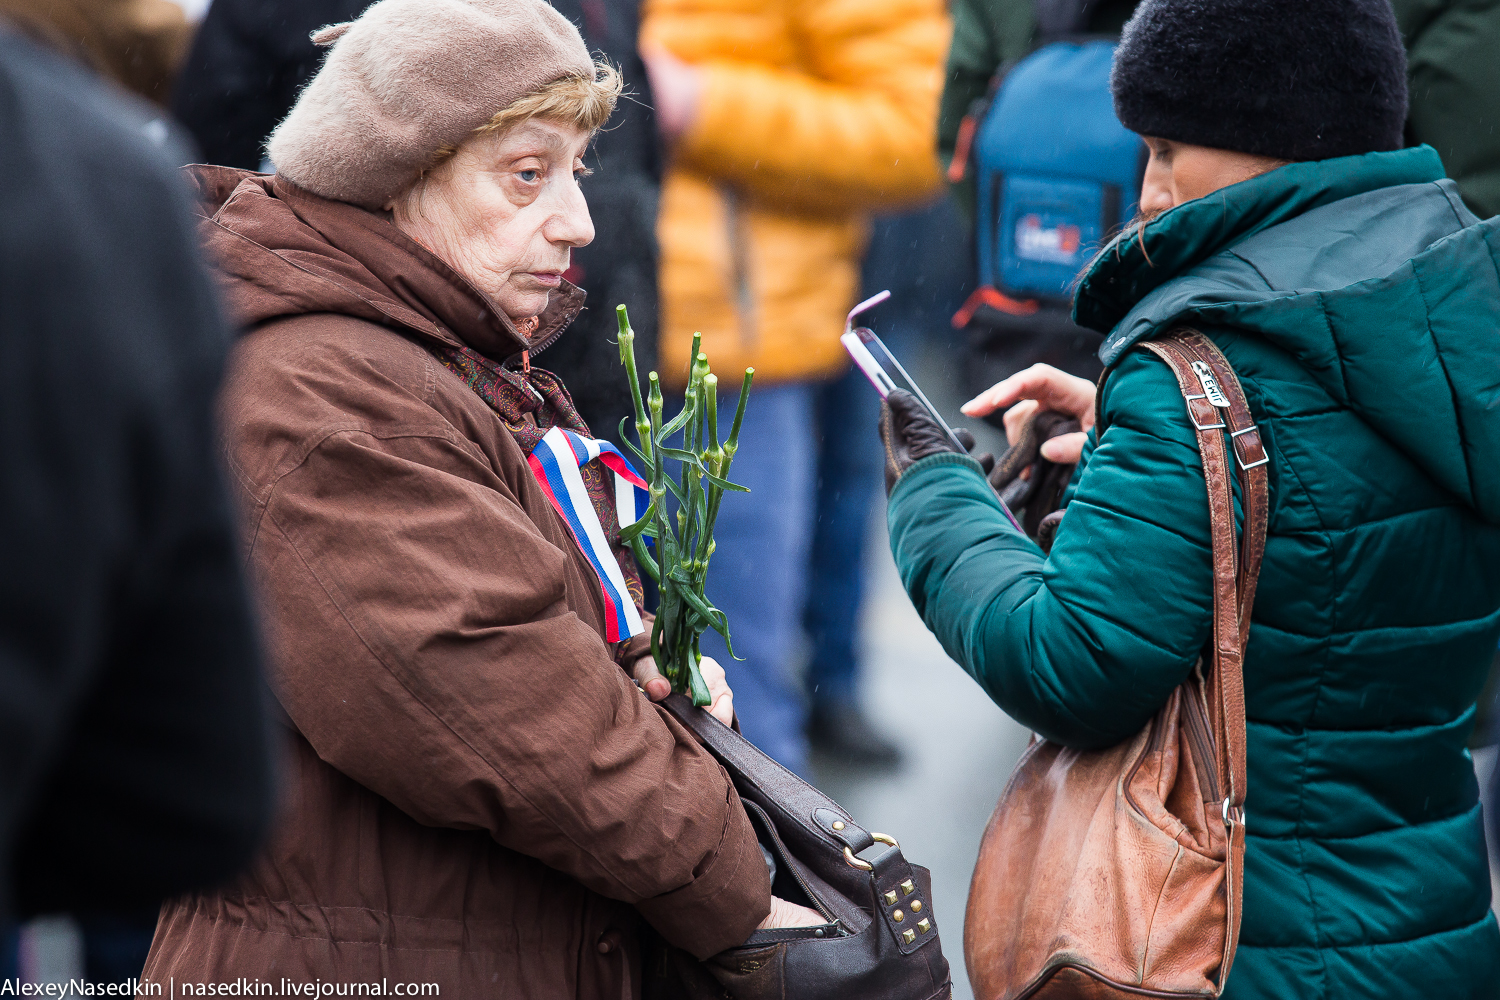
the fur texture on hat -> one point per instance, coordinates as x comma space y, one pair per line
409, 77
1293, 79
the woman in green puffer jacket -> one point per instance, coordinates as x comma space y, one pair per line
1359, 302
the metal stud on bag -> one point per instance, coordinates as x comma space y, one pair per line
812, 833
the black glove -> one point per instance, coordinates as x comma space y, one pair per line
1031, 485
910, 434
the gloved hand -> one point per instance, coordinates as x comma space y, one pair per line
910, 434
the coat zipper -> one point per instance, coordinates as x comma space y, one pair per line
524, 357
526, 353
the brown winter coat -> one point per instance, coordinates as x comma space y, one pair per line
479, 796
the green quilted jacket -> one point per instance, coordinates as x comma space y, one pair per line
1359, 302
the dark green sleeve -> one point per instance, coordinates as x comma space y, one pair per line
1083, 646
1089, 443
1453, 58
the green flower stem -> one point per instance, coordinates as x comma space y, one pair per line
681, 558
653, 428
711, 414
733, 444
627, 358
713, 458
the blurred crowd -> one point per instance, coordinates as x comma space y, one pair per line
767, 166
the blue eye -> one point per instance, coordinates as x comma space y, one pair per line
530, 175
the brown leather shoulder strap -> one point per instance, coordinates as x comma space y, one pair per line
1249, 450
1216, 405
1221, 418
1229, 692
1225, 670
1251, 460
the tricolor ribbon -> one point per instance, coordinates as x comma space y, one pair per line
555, 462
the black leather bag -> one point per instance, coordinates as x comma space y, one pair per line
881, 939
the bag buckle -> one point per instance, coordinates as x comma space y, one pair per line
862, 864
1234, 814
1213, 411
1258, 443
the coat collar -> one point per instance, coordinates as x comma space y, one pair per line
1140, 260
282, 251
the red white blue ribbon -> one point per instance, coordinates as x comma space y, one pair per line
555, 462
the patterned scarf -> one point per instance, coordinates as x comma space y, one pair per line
530, 405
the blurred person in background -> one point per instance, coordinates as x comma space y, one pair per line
1011, 322
252, 57
247, 63
1358, 301
139, 44
787, 125
487, 797
1453, 67
134, 758
919, 256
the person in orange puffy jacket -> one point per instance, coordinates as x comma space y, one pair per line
788, 123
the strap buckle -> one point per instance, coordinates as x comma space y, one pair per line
1238, 444
1193, 417
1234, 814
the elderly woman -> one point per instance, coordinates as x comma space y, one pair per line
480, 796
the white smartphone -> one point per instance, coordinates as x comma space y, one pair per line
858, 341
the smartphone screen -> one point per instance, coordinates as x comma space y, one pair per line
867, 352
871, 355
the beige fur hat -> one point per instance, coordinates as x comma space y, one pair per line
410, 76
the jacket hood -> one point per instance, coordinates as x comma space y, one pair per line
281, 251
1367, 269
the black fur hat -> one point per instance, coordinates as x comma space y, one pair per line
1294, 79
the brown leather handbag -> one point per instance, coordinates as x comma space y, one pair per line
881, 939
1117, 873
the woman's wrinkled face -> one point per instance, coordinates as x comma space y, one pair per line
1179, 172
505, 211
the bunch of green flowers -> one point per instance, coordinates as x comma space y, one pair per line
680, 566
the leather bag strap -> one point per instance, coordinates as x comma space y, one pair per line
1251, 462
896, 887
1219, 413
748, 764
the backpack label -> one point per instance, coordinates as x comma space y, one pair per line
1048, 228
1051, 243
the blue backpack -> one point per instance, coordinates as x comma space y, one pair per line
1057, 175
